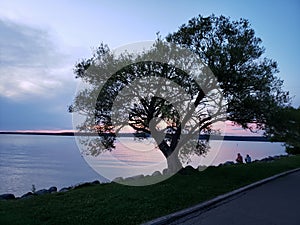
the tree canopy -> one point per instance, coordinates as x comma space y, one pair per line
235, 56
168, 93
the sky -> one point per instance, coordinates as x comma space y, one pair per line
41, 41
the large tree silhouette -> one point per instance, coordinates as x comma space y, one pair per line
170, 94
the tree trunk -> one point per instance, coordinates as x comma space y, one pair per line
170, 152
174, 164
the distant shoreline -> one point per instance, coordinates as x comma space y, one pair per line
39, 133
225, 138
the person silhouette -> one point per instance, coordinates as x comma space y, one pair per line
248, 159
239, 158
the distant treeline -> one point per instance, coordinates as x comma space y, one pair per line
202, 137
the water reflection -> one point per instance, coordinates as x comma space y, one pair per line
55, 161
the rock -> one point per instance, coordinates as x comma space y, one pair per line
7, 197
118, 179
127, 179
27, 195
201, 168
134, 180
96, 182
138, 177
52, 189
268, 159
65, 189
42, 192
228, 163
156, 173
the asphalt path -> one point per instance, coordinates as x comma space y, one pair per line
273, 203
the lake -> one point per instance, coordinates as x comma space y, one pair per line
46, 161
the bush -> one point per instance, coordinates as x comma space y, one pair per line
292, 150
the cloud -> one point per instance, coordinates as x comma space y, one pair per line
30, 65
34, 115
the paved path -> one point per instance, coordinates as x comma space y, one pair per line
274, 203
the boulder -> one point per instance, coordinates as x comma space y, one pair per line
228, 163
80, 185
27, 195
96, 182
268, 159
42, 192
118, 179
271, 158
52, 189
156, 173
65, 189
201, 168
138, 177
127, 179
7, 197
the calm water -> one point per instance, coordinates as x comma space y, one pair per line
56, 161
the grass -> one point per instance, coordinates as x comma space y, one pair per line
118, 204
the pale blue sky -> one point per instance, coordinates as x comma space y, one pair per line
40, 41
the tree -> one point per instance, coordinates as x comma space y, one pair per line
284, 126
171, 99
165, 92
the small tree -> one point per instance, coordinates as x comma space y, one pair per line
181, 103
284, 126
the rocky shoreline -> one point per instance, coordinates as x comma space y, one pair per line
51, 190
185, 170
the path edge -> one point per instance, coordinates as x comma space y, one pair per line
179, 214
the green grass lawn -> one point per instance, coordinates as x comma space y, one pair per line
119, 204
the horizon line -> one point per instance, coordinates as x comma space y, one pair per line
72, 133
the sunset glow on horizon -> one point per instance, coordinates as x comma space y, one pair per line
229, 130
